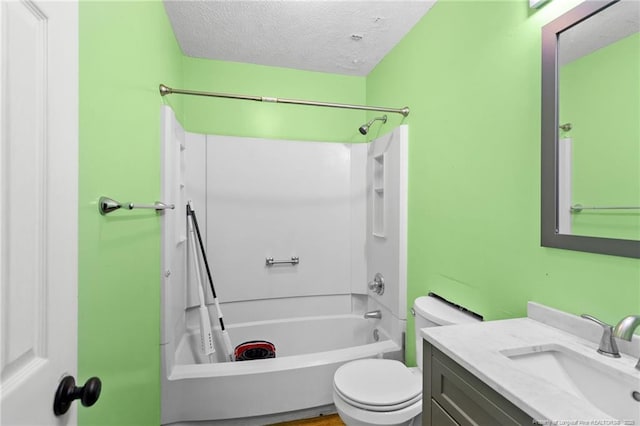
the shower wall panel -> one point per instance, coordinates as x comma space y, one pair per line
277, 198
173, 231
387, 181
358, 218
194, 166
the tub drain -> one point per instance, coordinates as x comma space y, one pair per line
255, 349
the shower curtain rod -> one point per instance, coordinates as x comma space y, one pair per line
166, 90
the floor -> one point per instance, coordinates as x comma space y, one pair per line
330, 420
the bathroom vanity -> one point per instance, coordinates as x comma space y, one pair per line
453, 396
542, 369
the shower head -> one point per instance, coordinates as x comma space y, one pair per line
364, 129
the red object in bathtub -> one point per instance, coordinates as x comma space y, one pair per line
255, 349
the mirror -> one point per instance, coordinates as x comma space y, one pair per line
590, 129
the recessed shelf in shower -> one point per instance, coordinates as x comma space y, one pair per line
378, 196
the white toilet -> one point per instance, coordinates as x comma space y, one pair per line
386, 392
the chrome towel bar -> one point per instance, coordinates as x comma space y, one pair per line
106, 205
577, 208
270, 262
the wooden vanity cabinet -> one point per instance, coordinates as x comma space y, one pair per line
454, 396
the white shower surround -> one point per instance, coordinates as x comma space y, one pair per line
276, 198
319, 214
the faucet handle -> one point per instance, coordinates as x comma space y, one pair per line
377, 285
608, 345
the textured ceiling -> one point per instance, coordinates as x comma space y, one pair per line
335, 36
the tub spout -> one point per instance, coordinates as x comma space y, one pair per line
373, 314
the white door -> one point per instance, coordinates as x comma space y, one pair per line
38, 215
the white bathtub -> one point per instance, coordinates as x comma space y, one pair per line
299, 379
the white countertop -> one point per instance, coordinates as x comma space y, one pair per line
477, 347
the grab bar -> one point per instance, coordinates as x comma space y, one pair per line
577, 208
107, 205
270, 262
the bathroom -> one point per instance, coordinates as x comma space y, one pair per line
470, 72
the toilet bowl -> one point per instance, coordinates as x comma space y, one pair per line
385, 392
360, 401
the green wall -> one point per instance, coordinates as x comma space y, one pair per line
270, 120
126, 50
470, 71
600, 97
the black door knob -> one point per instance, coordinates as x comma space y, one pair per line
67, 392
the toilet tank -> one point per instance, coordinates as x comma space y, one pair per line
432, 312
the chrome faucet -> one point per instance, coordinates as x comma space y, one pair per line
373, 314
608, 345
625, 328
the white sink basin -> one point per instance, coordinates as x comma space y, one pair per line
608, 389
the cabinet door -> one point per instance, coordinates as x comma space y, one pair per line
467, 399
440, 417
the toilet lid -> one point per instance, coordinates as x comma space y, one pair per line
377, 383
380, 408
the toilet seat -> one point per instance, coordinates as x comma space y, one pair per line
381, 385
355, 416
378, 408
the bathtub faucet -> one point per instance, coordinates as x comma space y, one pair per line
373, 314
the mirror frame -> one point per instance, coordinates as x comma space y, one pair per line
549, 147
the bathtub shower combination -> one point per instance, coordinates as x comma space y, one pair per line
294, 233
